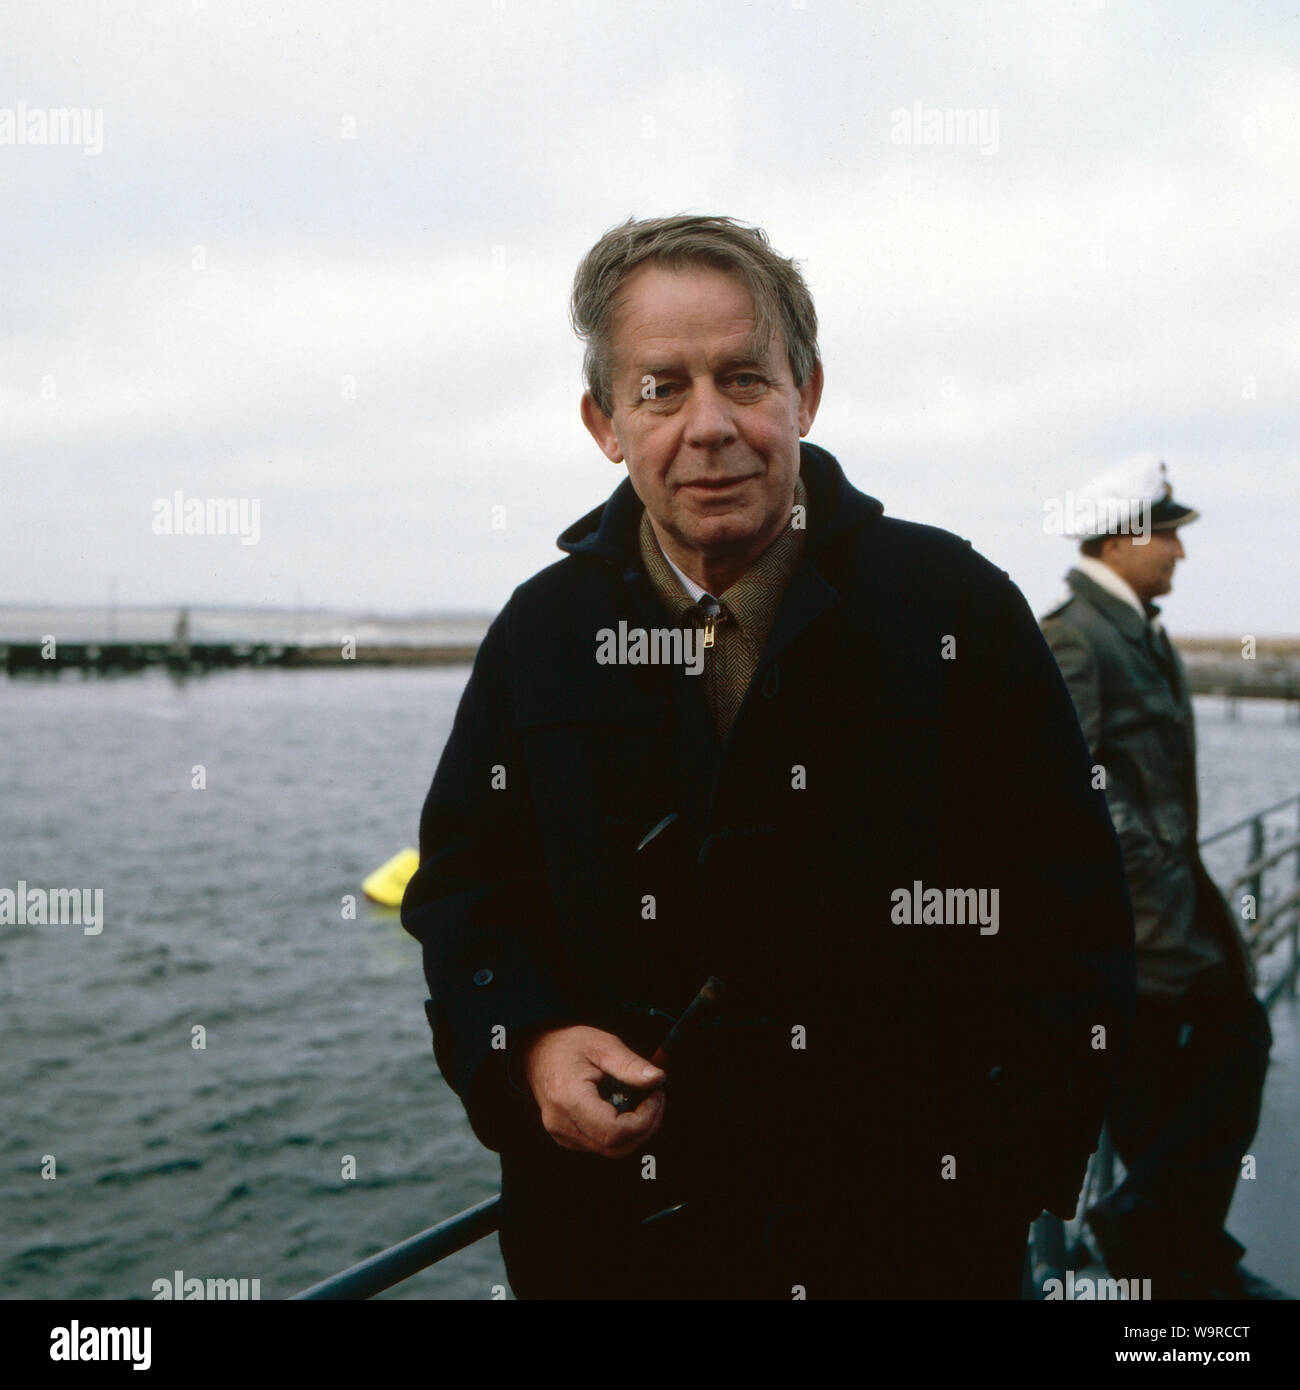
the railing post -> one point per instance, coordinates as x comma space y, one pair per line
1295, 918
1257, 852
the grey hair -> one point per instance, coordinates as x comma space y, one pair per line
781, 298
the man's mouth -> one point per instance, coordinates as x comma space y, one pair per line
716, 484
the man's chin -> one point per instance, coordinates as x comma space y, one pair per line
723, 537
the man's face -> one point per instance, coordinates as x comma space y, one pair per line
1149, 568
707, 422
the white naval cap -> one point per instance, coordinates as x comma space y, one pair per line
1133, 497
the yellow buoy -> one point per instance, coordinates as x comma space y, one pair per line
388, 882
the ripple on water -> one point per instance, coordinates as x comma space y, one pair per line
129, 1177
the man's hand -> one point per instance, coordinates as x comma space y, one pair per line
563, 1066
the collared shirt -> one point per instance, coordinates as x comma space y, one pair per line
744, 613
1102, 574
696, 592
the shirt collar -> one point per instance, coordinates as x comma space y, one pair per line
753, 599
1103, 575
687, 582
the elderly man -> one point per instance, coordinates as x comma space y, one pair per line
1188, 1092
751, 729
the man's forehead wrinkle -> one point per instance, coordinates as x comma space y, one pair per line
667, 352
650, 322
660, 355
637, 277
665, 333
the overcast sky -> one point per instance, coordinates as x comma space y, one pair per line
319, 256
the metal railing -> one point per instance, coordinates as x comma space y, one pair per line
1056, 1245
1274, 906
399, 1262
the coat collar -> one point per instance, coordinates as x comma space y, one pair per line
1102, 575
1123, 615
835, 507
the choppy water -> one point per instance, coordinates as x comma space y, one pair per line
222, 910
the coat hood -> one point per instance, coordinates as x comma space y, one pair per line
835, 506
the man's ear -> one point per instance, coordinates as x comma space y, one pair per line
810, 396
601, 428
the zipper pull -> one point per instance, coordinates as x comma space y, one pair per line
710, 624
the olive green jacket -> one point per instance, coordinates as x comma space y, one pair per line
1138, 724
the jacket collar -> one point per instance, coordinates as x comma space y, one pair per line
1122, 614
835, 507
1102, 575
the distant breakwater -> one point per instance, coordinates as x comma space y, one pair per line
1215, 666
197, 658
1265, 668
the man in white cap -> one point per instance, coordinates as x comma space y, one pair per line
1187, 1095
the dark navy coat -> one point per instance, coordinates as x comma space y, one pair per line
906, 726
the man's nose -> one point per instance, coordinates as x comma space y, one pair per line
1179, 552
708, 417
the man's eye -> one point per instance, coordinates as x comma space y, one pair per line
653, 389
746, 380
